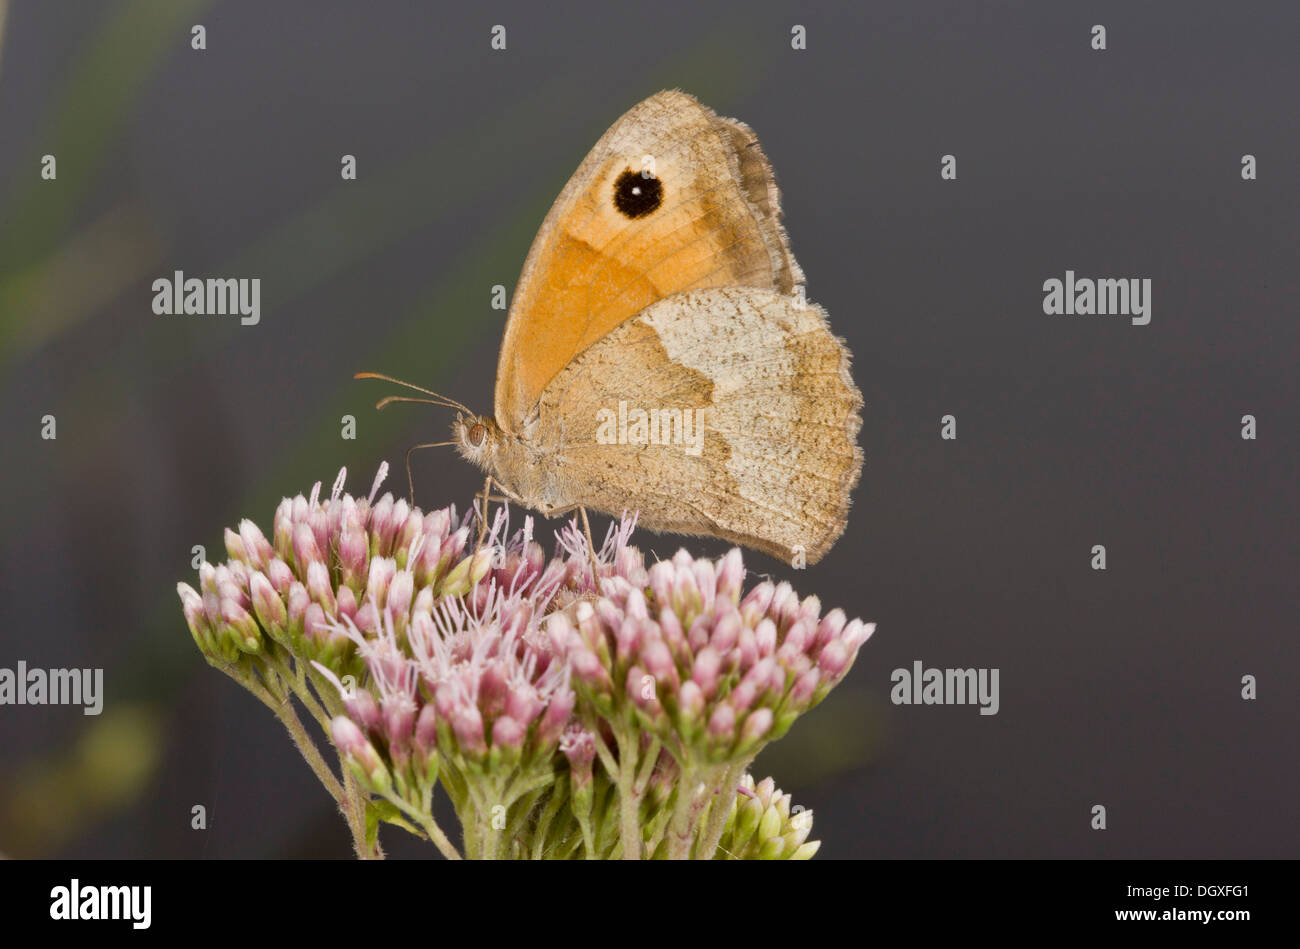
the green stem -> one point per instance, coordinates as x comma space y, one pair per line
690, 804
294, 678
354, 813
629, 801
542, 831
721, 809
427, 823
283, 709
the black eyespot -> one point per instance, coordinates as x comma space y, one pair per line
636, 195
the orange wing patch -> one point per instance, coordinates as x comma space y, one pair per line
707, 215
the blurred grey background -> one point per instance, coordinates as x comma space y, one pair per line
1119, 687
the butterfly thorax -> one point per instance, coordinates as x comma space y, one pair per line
524, 471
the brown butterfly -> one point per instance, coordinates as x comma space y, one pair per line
659, 355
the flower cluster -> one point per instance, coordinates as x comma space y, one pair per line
581, 705
713, 676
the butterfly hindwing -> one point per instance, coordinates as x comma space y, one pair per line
769, 383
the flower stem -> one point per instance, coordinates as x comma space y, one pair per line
427, 823
629, 800
721, 809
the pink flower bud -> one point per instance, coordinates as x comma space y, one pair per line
642, 689
314, 628
298, 602
426, 731
382, 571
785, 604
731, 575
706, 580
756, 603
661, 583
588, 668
241, 627
410, 529
805, 687
630, 565
829, 628
229, 590
347, 737
282, 530
726, 628
670, 629
363, 709
799, 636
523, 704
319, 522
354, 746
686, 600
507, 733
627, 640
346, 604
318, 586
352, 555
757, 725
722, 723
658, 662
207, 578
708, 666
268, 606
281, 577
700, 632
305, 551
382, 527
192, 607
857, 633
690, 701
399, 723
609, 616
400, 592
259, 549
560, 631
810, 609
493, 687
743, 695
556, 718
467, 726
235, 546
834, 659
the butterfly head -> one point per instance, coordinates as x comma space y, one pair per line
476, 438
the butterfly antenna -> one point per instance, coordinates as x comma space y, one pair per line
389, 400
442, 399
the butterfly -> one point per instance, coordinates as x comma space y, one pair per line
660, 355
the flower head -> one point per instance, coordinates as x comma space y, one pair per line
446, 650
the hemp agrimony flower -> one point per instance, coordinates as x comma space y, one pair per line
586, 705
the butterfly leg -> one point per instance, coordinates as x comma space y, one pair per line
504, 497
483, 517
591, 549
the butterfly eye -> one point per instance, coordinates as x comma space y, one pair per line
636, 194
476, 434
